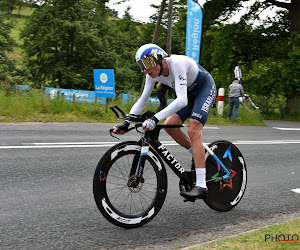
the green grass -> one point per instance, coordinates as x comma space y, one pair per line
34, 106
18, 22
262, 239
246, 117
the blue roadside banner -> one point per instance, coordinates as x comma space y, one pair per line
68, 95
193, 30
104, 83
18, 87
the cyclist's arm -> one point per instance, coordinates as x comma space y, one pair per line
138, 107
181, 93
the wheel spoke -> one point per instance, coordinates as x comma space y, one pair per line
120, 195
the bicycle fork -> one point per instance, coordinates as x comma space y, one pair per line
138, 164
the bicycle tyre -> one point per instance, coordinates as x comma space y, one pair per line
121, 204
225, 196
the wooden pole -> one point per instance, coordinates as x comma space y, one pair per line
170, 22
155, 35
157, 26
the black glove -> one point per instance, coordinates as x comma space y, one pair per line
124, 126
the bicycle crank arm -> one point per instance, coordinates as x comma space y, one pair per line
215, 180
227, 175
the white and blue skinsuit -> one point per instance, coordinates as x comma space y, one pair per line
194, 87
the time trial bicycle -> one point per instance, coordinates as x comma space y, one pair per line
130, 180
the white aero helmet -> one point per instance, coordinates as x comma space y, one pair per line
149, 55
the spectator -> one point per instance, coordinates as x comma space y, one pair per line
161, 95
235, 91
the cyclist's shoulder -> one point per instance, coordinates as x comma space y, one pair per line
179, 58
181, 62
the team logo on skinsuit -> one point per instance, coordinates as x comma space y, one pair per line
196, 115
209, 101
182, 78
173, 84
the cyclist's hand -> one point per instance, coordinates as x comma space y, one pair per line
150, 124
122, 128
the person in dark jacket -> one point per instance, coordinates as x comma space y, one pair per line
161, 95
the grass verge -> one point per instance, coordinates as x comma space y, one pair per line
33, 106
285, 236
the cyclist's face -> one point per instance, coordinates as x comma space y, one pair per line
153, 72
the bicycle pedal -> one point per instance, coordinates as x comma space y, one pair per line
192, 200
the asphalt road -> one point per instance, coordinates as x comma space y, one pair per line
46, 198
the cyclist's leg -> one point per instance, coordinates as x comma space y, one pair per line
176, 133
195, 135
201, 108
203, 101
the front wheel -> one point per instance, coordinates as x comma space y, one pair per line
122, 199
225, 195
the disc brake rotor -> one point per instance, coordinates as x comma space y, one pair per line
133, 185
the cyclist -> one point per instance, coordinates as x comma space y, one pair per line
195, 93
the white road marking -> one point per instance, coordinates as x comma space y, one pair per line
267, 142
55, 146
71, 143
287, 128
186, 126
87, 143
297, 190
109, 144
205, 127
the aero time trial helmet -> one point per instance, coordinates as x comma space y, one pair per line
149, 55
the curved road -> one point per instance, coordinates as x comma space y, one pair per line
46, 199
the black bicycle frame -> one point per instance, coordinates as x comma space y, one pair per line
151, 139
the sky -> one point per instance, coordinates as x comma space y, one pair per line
141, 10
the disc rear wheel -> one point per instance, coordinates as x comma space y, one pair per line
224, 195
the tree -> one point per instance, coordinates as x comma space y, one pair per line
65, 40
62, 42
9, 5
163, 18
179, 30
294, 16
264, 60
6, 45
123, 38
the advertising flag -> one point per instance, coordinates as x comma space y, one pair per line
193, 30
